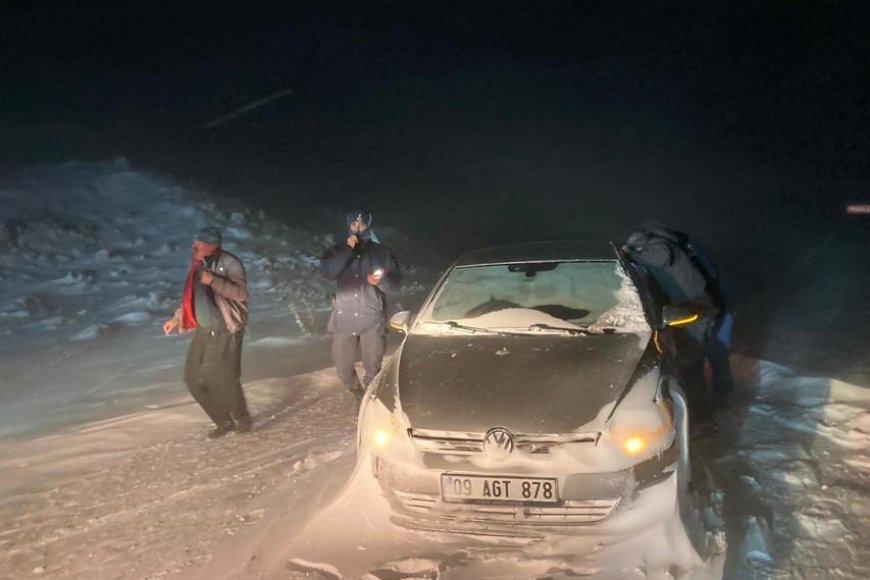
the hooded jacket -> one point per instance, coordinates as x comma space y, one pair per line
358, 306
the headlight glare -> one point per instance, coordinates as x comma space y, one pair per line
634, 445
639, 432
381, 429
381, 439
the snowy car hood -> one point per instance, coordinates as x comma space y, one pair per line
528, 384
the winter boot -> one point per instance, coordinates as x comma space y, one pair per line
221, 430
244, 424
356, 390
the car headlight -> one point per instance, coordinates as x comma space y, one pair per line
383, 430
643, 431
634, 444
383, 436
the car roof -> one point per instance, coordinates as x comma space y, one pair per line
545, 251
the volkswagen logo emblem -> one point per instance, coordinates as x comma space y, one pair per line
498, 443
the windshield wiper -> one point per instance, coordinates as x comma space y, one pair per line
454, 324
543, 326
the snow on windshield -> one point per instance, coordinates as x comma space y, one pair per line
627, 314
517, 318
593, 294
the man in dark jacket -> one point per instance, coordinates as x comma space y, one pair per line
215, 308
365, 272
683, 274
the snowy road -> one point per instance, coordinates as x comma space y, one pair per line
146, 496
106, 473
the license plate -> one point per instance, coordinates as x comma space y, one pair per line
459, 488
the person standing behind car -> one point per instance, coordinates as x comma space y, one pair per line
364, 271
686, 275
215, 308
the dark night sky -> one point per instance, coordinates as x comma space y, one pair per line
531, 109
781, 69
745, 123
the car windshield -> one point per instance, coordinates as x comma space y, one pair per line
569, 297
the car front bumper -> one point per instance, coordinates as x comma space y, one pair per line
587, 500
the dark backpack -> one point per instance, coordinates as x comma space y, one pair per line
700, 259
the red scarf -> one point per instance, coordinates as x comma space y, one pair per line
188, 314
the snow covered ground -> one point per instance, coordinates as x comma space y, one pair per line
106, 473
92, 262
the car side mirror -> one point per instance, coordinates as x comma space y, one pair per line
401, 321
680, 315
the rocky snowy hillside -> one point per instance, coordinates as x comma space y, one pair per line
92, 261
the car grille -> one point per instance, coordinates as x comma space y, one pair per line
455, 443
569, 512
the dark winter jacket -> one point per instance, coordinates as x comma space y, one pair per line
675, 278
672, 270
358, 306
228, 292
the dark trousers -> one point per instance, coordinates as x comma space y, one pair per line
720, 364
718, 351
371, 344
212, 372
689, 356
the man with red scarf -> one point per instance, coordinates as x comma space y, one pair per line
215, 308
